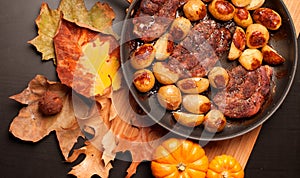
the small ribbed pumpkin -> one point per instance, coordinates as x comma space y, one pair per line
176, 158
225, 166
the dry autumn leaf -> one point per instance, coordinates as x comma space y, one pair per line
112, 134
134, 139
87, 61
47, 23
97, 122
32, 125
92, 163
98, 18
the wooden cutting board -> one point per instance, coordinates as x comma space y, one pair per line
242, 146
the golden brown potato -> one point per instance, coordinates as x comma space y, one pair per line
164, 47
268, 18
193, 85
143, 56
257, 36
218, 77
163, 74
214, 121
206, 1
242, 17
241, 3
143, 80
169, 96
180, 28
271, 56
221, 10
255, 4
238, 44
188, 119
197, 104
251, 59
194, 10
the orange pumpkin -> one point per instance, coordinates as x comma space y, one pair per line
177, 158
225, 166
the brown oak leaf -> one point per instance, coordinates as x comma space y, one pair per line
92, 163
97, 124
140, 141
32, 125
87, 61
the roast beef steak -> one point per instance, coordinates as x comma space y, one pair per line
195, 55
154, 17
245, 93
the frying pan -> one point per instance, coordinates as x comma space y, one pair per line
283, 40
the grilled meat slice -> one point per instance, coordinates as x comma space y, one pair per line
154, 17
245, 93
201, 49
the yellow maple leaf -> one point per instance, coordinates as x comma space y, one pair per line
97, 60
87, 61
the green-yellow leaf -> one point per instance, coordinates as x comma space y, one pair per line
99, 18
47, 23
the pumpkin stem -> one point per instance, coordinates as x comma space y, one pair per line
225, 174
181, 167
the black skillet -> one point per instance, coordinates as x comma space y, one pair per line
283, 40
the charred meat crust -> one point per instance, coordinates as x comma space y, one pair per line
245, 93
154, 17
200, 50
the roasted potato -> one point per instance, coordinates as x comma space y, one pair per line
197, 104
214, 121
271, 56
255, 4
238, 44
221, 10
143, 56
180, 28
193, 85
194, 10
169, 96
143, 80
257, 36
241, 3
206, 1
251, 59
242, 17
268, 18
188, 119
164, 47
163, 74
218, 77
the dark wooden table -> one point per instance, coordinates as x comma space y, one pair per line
276, 152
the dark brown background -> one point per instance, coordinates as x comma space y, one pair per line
276, 153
